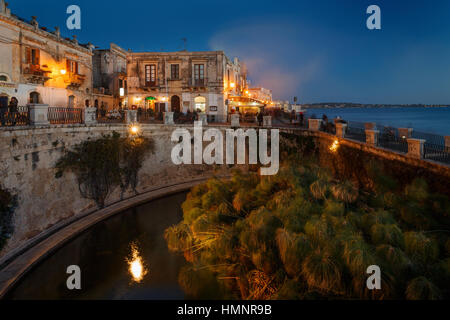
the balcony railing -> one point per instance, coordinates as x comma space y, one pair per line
60, 115
21, 117
151, 84
198, 82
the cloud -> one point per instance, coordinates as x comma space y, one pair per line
276, 55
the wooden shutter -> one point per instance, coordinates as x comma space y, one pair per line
68, 65
76, 67
37, 57
28, 55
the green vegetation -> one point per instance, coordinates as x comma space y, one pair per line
303, 234
102, 165
8, 203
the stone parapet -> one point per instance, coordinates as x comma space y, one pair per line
341, 128
168, 118
415, 148
203, 118
234, 120
372, 137
38, 114
90, 115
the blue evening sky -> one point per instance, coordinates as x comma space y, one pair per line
320, 51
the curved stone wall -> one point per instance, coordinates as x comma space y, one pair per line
27, 158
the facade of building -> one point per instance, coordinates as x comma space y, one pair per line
110, 78
38, 66
261, 94
184, 81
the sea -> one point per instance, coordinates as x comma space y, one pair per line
434, 120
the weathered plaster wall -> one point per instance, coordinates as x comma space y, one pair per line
27, 158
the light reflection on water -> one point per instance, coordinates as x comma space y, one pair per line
136, 264
103, 253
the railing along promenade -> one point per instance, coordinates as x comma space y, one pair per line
401, 140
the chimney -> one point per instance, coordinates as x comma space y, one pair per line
58, 32
34, 22
75, 39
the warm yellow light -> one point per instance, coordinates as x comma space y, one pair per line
232, 85
63, 72
136, 266
335, 146
164, 99
246, 91
134, 129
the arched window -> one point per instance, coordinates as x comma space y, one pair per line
34, 97
175, 104
3, 78
200, 104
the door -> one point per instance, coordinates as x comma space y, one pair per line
3, 102
175, 103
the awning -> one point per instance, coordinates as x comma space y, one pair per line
237, 101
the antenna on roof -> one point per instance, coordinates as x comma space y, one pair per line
184, 43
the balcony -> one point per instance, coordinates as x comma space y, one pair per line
75, 81
198, 83
35, 74
151, 85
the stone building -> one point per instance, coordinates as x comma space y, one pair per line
110, 77
182, 81
38, 66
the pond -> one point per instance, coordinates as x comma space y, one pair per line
124, 257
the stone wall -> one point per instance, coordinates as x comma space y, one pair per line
28, 155
27, 158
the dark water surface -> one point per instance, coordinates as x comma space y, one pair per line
102, 252
428, 120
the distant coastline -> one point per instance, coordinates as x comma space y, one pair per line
341, 105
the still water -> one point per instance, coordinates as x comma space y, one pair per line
124, 257
429, 120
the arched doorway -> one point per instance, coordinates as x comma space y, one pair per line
175, 103
200, 104
34, 97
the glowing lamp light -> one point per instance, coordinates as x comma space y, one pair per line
335, 146
63, 72
122, 92
134, 129
232, 85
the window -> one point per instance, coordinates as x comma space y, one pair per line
150, 74
4, 78
174, 71
72, 66
34, 97
33, 56
199, 71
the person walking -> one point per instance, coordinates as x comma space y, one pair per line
302, 119
260, 118
13, 110
3, 111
